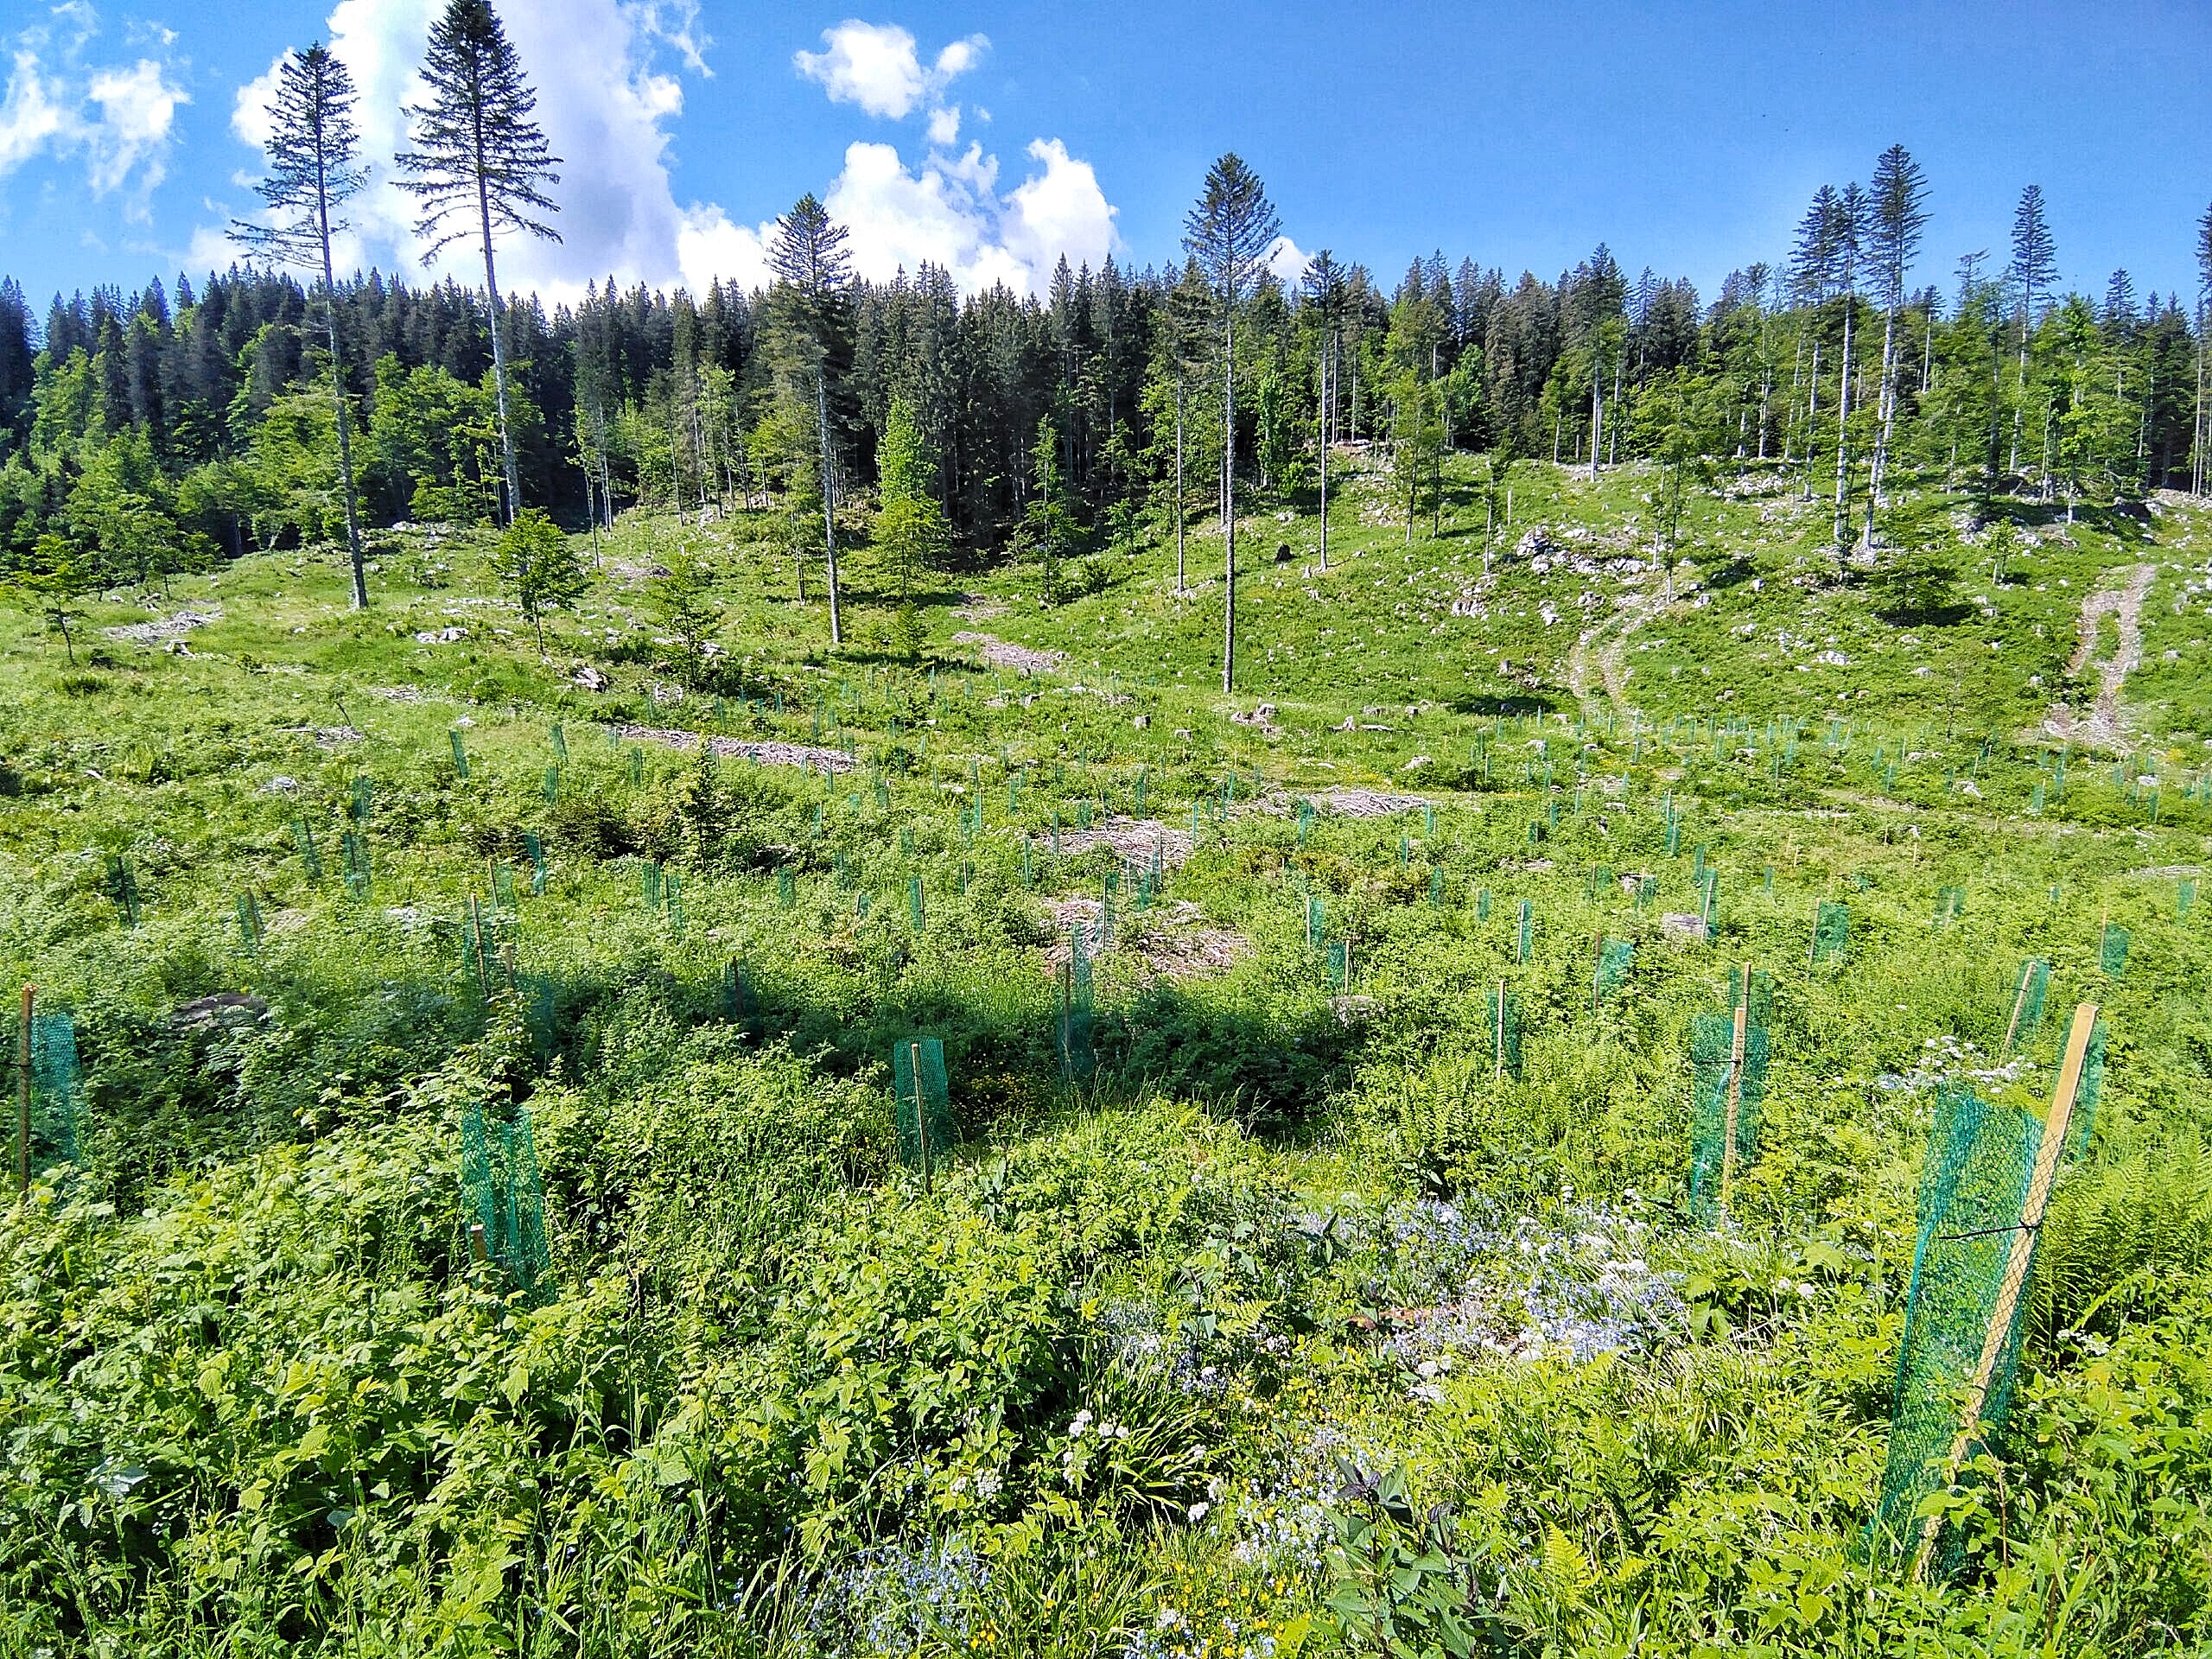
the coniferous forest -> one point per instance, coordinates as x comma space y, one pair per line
171, 427
1249, 958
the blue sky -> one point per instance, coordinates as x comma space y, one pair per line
992, 137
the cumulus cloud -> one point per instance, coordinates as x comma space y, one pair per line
609, 75
948, 212
877, 66
119, 118
1287, 261
607, 105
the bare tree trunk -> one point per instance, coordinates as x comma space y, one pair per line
2196, 479
1597, 418
1766, 385
1875, 497
1229, 498
829, 498
1613, 432
1181, 501
338, 406
499, 347
1812, 415
1325, 358
1843, 423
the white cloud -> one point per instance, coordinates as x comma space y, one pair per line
949, 212
611, 110
250, 110
120, 118
607, 109
1287, 260
876, 66
137, 113
30, 119
710, 245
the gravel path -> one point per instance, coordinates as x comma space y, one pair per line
174, 628
1021, 659
768, 754
2103, 724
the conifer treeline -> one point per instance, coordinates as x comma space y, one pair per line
156, 429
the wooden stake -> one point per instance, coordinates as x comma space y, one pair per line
476, 929
2053, 1146
921, 1114
2019, 1007
24, 1096
477, 1253
1735, 1091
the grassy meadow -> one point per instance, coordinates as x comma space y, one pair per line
1258, 1307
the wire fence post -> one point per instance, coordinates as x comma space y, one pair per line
2049, 1151
1735, 1091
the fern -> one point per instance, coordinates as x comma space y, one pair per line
2117, 1235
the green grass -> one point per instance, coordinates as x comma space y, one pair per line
255, 1395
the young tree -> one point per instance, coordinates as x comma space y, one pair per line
56, 579
683, 602
311, 148
1416, 438
478, 165
1047, 527
2034, 268
541, 567
1228, 234
910, 527
808, 258
1900, 213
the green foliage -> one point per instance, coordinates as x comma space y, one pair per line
541, 567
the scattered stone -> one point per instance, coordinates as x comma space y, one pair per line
452, 636
170, 629
1368, 803
1168, 942
1133, 840
768, 754
1677, 925
588, 677
999, 654
280, 784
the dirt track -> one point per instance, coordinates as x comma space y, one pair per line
2104, 726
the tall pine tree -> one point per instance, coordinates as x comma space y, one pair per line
1229, 233
479, 165
808, 258
1900, 213
312, 173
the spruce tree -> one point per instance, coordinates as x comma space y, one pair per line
312, 173
478, 165
1229, 233
810, 260
2033, 270
1900, 213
